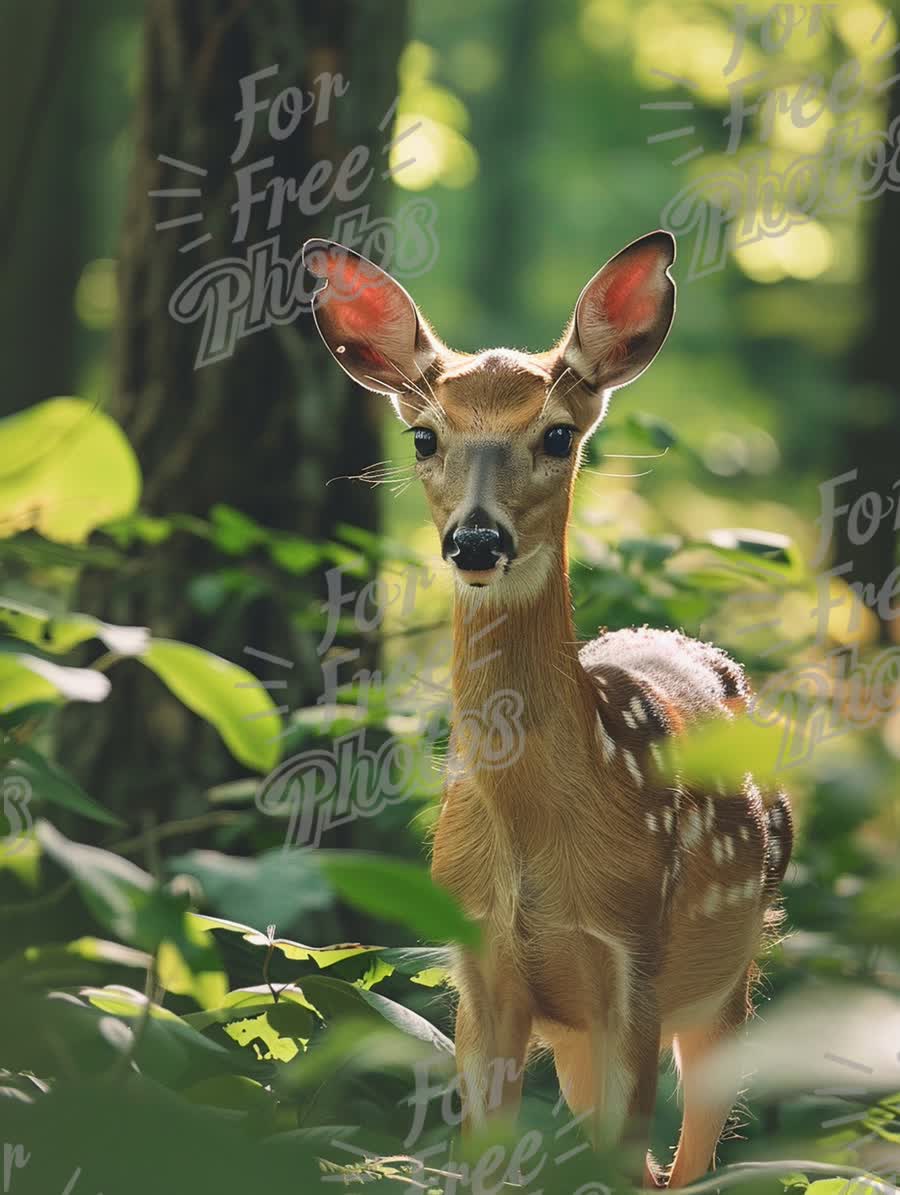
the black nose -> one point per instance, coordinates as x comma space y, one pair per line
477, 543
475, 549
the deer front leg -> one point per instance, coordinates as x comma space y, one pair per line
626, 1050
493, 1027
610, 1071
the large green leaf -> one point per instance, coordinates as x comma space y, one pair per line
251, 1002
273, 889
127, 901
114, 888
723, 752
228, 697
47, 965
425, 965
66, 469
336, 1000
50, 782
165, 1037
398, 891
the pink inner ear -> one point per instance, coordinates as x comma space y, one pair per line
631, 297
359, 303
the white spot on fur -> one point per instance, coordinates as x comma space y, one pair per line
717, 852
710, 813
728, 843
712, 901
775, 817
775, 850
657, 755
668, 818
751, 887
637, 708
691, 828
629, 721
744, 833
634, 770
607, 745
734, 894
652, 823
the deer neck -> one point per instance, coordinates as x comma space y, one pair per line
520, 654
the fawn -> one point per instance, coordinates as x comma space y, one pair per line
621, 911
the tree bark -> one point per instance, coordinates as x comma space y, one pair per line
41, 196
264, 429
868, 438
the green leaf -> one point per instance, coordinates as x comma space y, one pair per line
67, 468
228, 697
126, 900
26, 678
361, 1043
336, 1000
201, 979
236, 1093
61, 633
46, 965
112, 887
398, 891
425, 965
234, 532
295, 555
24, 860
167, 1042
725, 751
274, 1046
243, 1003
50, 782
769, 545
275, 888
838, 1186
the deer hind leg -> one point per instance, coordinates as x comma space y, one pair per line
704, 1117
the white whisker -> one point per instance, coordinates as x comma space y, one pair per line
568, 369
597, 473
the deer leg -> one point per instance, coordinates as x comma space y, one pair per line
642, 1049
704, 1115
491, 1044
608, 1076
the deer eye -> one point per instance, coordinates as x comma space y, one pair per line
558, 440
425, 441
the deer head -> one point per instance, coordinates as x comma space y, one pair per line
498, 435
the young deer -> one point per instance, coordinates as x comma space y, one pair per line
621, 911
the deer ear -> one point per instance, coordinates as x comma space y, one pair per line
371, 326
623, 314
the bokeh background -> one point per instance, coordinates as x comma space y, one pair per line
210, 505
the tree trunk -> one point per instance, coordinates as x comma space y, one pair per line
868, 440
41, 197
264, 428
